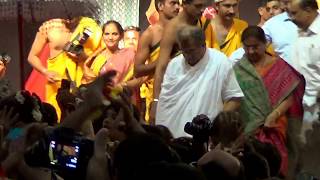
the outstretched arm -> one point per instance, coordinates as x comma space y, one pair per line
88, 74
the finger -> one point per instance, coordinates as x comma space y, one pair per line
120, 102
33, 132
100, 144
98, 164
51, 80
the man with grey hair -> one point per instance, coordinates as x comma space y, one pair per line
306, 53
190, 14
199, 81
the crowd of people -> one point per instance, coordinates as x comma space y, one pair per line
189, 98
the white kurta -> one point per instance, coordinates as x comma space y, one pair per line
306, 60
188, 91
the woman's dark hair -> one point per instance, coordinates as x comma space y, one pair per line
254, 31
270, 153
49, 114
118, 25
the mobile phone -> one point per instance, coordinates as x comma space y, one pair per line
64, 155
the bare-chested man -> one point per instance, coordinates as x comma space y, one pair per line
227, 29
149, 47
190, 14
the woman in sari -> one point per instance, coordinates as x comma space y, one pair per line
273, 93
110, 57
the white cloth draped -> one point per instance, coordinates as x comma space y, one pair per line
191, 90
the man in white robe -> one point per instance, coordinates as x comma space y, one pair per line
199, 81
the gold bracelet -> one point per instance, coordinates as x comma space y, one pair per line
278, 113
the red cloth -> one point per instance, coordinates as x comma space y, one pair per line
36, 81
279, 82
275, 137
2, 173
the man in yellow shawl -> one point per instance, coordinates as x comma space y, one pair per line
57, 33
226, 28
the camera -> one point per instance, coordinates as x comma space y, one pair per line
76, 45
65, 84
199, 128
64, 152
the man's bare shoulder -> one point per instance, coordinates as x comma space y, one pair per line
152, 35
148, 32
147, 36
176, 23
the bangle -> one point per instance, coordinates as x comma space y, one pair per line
155, 100
278, 113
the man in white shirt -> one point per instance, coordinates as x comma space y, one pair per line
268, 9
306, 52
200, 81
281, 32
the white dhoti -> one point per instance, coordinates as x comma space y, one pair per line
188, 91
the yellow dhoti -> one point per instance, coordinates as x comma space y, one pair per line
147, 88
69, 68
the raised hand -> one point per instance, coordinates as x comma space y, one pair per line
94, 98
98, 166
132, 124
